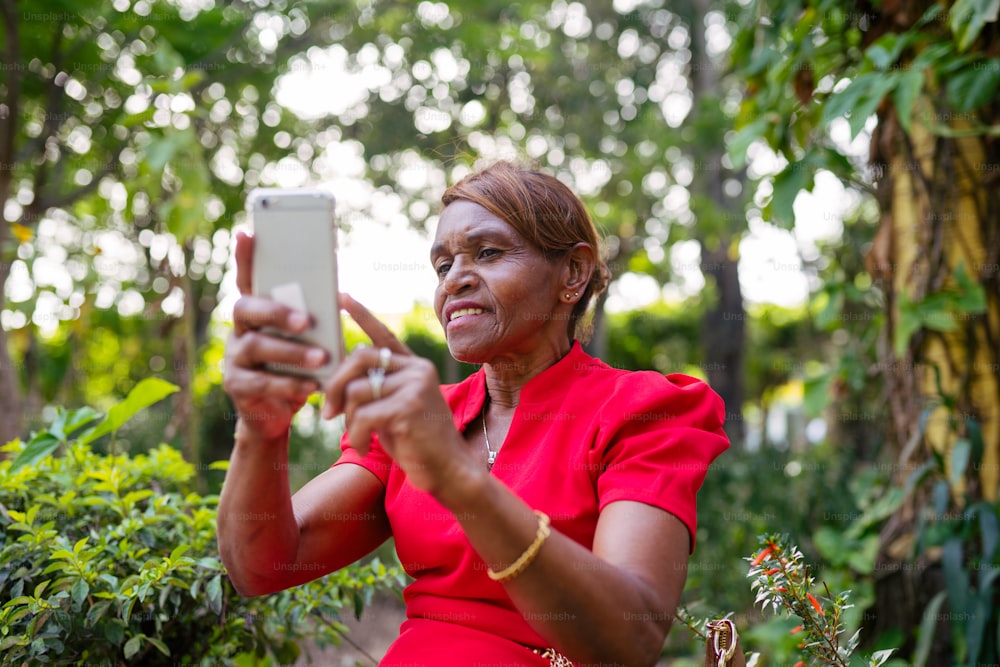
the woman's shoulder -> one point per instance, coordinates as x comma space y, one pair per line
651, 396
625, 381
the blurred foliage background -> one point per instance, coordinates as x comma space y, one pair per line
799, 201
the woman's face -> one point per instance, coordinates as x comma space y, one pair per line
496, 293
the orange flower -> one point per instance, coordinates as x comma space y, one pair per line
815, 604
761, 556
800, 664
773, 570
796, 630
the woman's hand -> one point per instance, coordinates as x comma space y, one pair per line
413, 422
265, 401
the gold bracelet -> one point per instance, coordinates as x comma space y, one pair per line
524, 560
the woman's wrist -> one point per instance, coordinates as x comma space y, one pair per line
246, 435
463, 485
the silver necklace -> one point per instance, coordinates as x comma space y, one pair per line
491, 456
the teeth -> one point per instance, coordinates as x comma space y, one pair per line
465, 311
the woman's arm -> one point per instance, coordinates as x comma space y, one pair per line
269, 540
610, 606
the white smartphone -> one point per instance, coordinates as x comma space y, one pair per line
295, 263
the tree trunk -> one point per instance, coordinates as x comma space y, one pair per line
11, 410
11, 413
939, 213
724, 323
723, 335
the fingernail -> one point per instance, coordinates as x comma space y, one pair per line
327, 411
315, 357
298, 320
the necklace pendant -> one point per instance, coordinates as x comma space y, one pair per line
492, 457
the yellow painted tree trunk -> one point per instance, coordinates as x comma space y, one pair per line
940, 201
940, 216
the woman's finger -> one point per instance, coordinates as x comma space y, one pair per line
255, 349
254, 312
243, 384
355, 367
244, 263
379, 333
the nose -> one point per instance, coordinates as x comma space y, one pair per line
460, 276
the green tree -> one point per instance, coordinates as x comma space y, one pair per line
920, 81
128, 136
599, 95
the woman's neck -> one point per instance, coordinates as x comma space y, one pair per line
507, 375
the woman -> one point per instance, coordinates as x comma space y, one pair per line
545, 506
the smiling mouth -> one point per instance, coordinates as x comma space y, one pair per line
465, 312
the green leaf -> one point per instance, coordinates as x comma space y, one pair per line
80, 591
968, 17
974, 86
907, 324
830, 544
927, 625
213, 589
862, 557
989, 528
743, 138
147, 392
40, 446
843, 102
956, 578
128, 607
10, 642
160, 646
972, 296
817, 393
885, 50
788, 183
905, 96
79, 418
80, 545
960, 455
880, 657
976, 626
865, 107
132, 646
178, 551
160, 151
829, 315
95, 612
114, 631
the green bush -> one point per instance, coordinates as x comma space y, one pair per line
112, 559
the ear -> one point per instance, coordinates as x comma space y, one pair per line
578, 267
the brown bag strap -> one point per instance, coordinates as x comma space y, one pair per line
723, 647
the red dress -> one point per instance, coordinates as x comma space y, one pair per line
583, 435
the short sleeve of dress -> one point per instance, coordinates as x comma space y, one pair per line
665, 432
375, 461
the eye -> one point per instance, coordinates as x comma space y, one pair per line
442, 269
488, 252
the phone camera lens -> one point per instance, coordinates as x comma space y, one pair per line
265, 203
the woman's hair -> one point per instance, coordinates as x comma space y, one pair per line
544, 211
